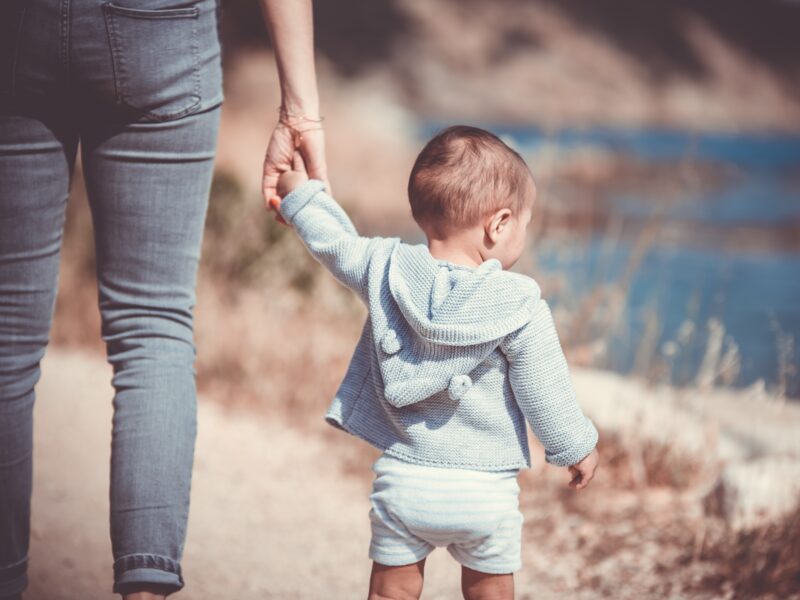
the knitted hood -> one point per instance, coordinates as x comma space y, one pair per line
443, 320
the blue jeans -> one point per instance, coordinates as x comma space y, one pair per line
139, 89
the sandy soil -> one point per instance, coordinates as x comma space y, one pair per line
282, 513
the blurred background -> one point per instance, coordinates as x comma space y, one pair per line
665, 140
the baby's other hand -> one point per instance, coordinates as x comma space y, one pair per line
289, 180
583, 472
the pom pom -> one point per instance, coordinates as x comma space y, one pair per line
390, 343
459, 385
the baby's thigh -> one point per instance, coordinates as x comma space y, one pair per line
496, 551
482, 530
393, 543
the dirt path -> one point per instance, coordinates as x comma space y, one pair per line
272, 514
279, 513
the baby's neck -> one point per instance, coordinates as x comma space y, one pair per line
455, 251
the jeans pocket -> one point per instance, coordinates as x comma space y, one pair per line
11, 14
156, 59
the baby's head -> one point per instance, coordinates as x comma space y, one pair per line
469, 188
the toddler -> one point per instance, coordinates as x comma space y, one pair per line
457, 353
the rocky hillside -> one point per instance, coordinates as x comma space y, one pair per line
705, 65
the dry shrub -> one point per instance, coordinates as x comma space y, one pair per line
636, 462
281, 352
762, 563
274, 330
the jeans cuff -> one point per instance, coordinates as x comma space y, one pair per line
137, 572
13, 579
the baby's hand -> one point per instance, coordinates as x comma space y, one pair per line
289, 180
583, 472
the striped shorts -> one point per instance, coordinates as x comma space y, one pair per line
416, 508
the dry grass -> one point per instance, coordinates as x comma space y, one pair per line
762, 563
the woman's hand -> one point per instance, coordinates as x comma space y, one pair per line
280, 157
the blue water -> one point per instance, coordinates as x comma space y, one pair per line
754, 296
752, 150
754, 292
758, 197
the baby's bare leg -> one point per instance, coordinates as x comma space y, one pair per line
486, 586
396, 583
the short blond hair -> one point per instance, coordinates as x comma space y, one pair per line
464, 173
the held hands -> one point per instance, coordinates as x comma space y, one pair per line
287, 181
294, 134
583, 472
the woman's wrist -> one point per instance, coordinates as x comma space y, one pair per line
306, 105
290, 117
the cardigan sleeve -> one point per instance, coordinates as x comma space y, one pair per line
329, 234
542, 387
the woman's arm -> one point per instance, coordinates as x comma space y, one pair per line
291, 28
290, 25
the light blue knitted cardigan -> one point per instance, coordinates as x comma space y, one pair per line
452, 360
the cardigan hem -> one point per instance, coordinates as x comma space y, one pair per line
334, 421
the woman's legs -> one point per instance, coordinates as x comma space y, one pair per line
148, 187
36, 159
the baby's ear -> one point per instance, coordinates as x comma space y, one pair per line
497, 222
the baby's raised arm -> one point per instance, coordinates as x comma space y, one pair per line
540, 380
328, 233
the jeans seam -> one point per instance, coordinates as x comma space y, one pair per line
66, 23
137, 13
14, 565
12, 83
115, 53
15, 577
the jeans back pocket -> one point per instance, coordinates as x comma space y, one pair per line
156, 59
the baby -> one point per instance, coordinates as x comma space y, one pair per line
456, 355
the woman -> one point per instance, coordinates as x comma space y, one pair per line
137, 86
